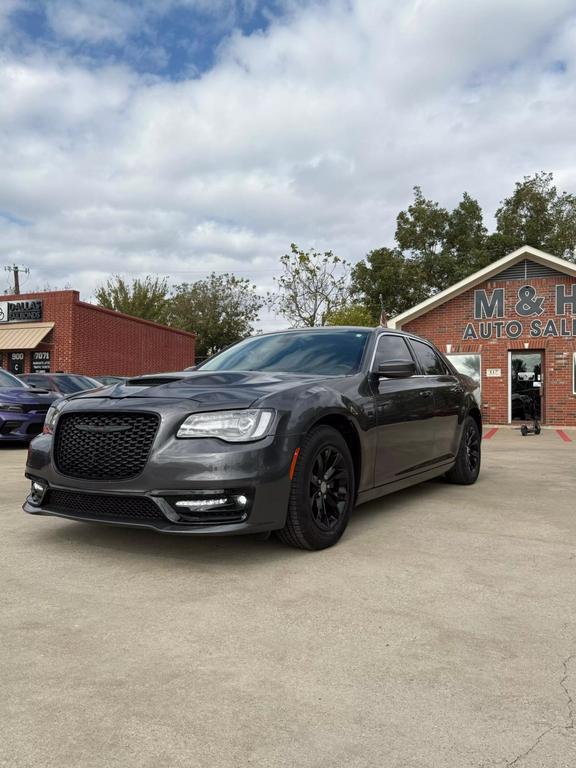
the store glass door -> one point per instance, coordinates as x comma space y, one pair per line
526, 385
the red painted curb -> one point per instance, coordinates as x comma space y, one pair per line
490, 433
563, 436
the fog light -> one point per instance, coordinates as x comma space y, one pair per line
242, 500
37, 492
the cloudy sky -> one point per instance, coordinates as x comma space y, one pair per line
184, 136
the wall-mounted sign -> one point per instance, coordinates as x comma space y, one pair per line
494, 373
489, 308
21, 311
16, 362
40, 362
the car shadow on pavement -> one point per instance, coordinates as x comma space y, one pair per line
238, 550
394, 504
248, 550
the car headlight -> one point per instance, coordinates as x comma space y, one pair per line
11, 408
52, 416
232, 426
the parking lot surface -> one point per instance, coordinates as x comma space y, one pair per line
441, 631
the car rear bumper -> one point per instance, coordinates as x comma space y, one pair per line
257, 473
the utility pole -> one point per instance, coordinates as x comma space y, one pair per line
16, 270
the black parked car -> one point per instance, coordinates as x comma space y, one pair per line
285, 432
61, 383
110, 379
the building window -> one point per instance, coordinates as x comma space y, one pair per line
470, 365
574, 373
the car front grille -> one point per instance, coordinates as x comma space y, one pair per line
96, 506
40, 410
104, 446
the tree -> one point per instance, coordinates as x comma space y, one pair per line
388, 273
447, 245
311, 286
536, 214
147, 298
351, 314
435, 248
219, 309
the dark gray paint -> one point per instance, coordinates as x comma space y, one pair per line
408, 431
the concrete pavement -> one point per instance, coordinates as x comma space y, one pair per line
440, 632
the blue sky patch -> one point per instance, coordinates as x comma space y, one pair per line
180, 41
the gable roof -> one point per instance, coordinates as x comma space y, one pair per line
533, 254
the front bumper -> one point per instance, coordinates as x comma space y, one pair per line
181, 469
18, 427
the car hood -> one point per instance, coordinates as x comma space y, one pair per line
236, 389
25, 396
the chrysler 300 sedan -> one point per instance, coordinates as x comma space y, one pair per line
282, 432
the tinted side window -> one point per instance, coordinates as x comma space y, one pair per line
391, 348
429, 361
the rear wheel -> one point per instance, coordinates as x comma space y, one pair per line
467, 467
322, 492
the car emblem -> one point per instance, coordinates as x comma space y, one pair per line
102, 430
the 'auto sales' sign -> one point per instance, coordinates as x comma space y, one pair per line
489, 312
20, 311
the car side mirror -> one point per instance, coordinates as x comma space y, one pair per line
396, 369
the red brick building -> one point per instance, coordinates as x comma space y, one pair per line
512, 327
55, 331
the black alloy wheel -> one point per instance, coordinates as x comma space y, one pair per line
472, 441
467, 465
329, 488
322, 492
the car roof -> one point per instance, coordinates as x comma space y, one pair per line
327, 328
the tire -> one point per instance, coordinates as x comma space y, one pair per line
467, 467
322, 493
537, 429
524, 430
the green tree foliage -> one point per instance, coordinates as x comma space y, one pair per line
388, 273
446, 245
310, 287
147, 298
536, 214
351, 314
435, 248
219, 309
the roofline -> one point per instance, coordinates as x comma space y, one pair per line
481, 276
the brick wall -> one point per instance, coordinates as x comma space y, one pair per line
96, 341
445, 325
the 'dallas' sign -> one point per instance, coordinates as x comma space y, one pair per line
492, 322
20, 311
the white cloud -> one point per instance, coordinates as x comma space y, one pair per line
85, 20
314, 131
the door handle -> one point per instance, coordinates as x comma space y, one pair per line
426, 393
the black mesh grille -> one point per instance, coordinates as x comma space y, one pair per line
39, 409
104, 446
102, 507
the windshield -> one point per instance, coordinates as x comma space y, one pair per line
72, 383
328, 353
7, 380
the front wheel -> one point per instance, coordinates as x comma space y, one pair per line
467, 466
322, 492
